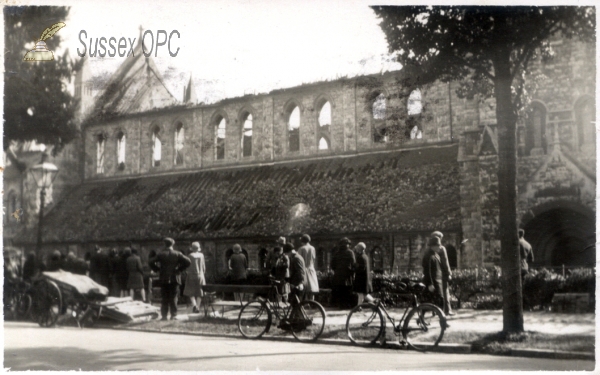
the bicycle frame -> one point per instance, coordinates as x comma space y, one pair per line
382, 308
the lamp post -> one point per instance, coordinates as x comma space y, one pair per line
43, 174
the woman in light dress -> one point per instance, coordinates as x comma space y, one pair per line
195, 277
307, 251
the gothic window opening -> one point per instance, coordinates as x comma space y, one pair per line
100, 142
179, 141
324, 128
156, 147
414, 107
220, 139
535, 137
247, 135
294, 130
323, 144
585, 115
379, 109
377, 259
121, 145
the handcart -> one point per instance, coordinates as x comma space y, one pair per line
61, 293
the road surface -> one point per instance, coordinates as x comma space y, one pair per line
29, 347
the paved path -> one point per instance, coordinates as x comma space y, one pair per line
28, 347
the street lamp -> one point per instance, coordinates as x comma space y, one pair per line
43, 174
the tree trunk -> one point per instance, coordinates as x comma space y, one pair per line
506, 117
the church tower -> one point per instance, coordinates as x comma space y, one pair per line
83, 89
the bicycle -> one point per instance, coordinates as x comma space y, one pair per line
305, 320
19, 302
423, 328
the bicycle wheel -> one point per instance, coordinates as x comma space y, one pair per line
47, 303
307, 321
254, 320
424, 327
365, 324
24, 306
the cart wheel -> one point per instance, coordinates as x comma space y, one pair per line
47, 303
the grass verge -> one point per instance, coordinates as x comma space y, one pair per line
495, 343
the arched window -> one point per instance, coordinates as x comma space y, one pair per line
179, 139
379, 108
100, 142
585, 115
414, 105
294, 129
536, 129
121, 146
416, 133
220, 131
323, 144
414, 108
324, 126
156, 147
377, 259
247, 134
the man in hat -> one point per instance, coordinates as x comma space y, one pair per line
446, 273
432, 271
307, 252
342, 264
169, 262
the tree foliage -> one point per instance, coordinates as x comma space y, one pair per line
37, 103
488, 49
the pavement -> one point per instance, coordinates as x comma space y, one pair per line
29, 347
469, 320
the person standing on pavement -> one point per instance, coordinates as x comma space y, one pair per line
281, 272
297, 277
195, 277
121, 272
169, 262
342, 264
432, 271
100, 267
135, 280
362, 279
446, 274
526, 254
308, 253
238, 266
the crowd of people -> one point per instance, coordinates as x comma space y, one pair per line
123, 273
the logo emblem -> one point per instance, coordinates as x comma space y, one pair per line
41, 51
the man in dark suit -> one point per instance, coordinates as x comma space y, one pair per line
342, 264
297, 277
100, 267
170, 263
432, 271
526, 253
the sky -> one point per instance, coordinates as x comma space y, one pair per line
232, 48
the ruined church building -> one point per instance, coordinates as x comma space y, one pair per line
324, 159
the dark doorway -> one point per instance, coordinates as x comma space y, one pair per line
452, 259
562, 237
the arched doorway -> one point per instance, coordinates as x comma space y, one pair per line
562, 236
